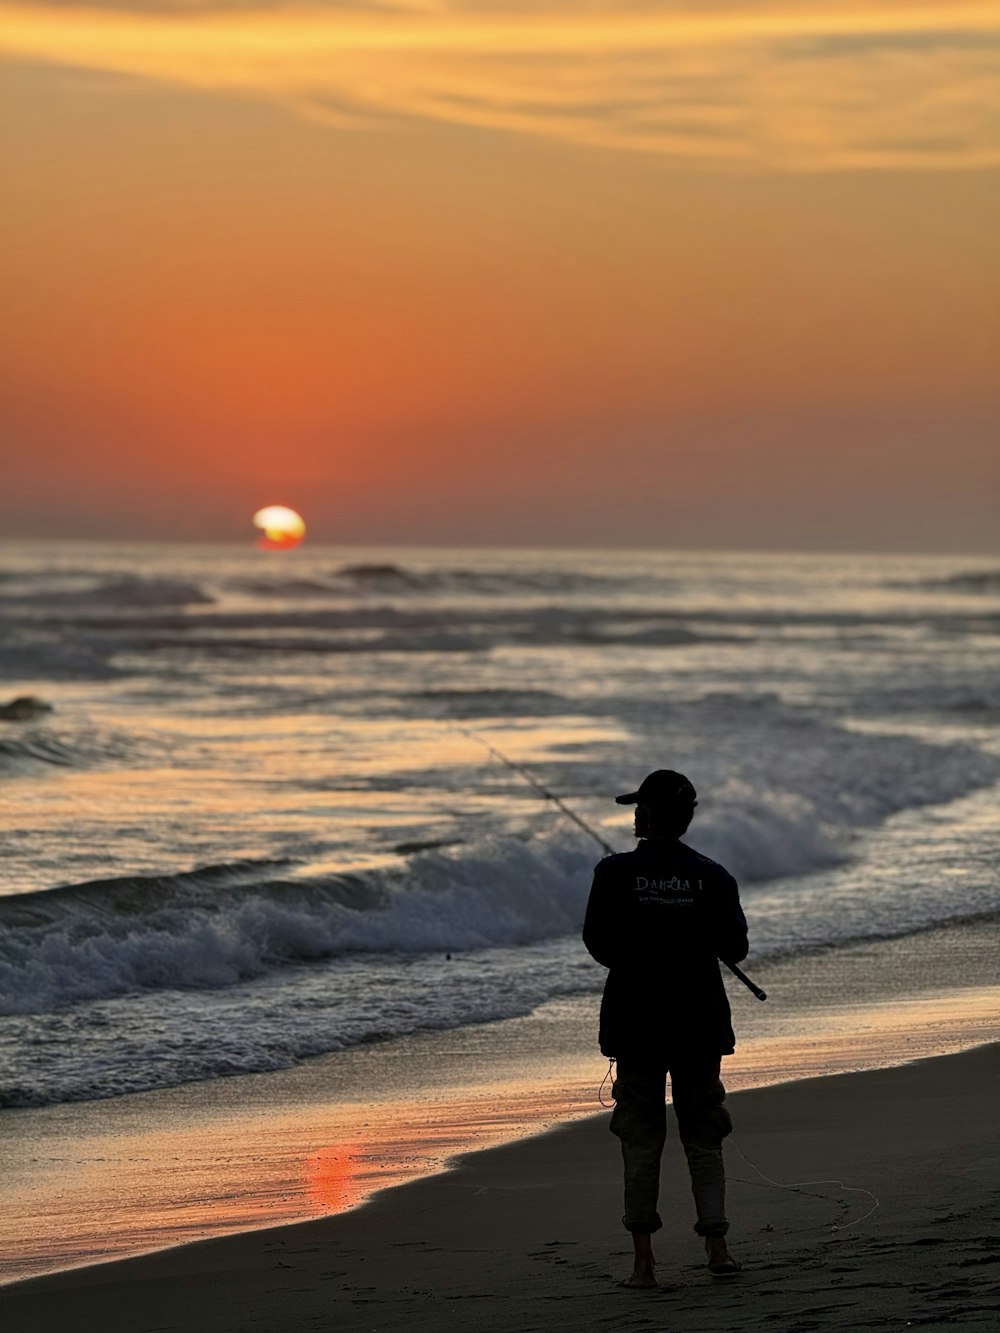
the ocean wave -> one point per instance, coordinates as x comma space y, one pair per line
83, 747
472, 703
539, 624
986, 581
543, 624
106, 1050
127, 897
290, 588
217, 926
126, 593
395, 578
384, 576
974, 700
388, 632
37, 657
638, 635
35, 747
388, 579
211, 929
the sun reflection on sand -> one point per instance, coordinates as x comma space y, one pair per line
331, 1179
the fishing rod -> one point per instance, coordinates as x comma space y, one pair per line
560, 804
530, 777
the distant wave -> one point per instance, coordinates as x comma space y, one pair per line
473, 703
396, 578
976, 700
388, 629
72, 658
290, 588
131, 592
985, 581
382, 576
387, 579
129, 896
234, 645
348, 581
84, 747
35, 747
543, 623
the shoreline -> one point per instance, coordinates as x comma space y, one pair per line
527, 1235
93, 1182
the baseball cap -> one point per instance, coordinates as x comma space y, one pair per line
664, 787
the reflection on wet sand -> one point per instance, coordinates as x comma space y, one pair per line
92, 1181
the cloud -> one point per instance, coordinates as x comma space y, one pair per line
725, 85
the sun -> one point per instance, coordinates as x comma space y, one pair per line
278, 528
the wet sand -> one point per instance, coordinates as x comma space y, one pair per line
95, 1181
526, 1236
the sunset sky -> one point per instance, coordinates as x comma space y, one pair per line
711, 273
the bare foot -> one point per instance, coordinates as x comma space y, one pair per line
643, 1274
640, 1279
720, 1262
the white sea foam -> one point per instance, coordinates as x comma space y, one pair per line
215, 928
158, 1038
197, 932
298, 707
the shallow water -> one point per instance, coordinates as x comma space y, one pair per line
255, 822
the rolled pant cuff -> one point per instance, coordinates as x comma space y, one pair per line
711, 1229
643, 1228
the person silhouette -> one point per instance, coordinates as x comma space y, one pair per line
659, 918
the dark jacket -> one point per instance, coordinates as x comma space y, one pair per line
660, 918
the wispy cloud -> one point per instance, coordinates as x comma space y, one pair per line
730, 86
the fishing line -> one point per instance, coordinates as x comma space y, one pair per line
608, 1106
571, 814
798, 1187
530, 777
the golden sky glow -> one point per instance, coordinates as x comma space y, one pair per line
804, 87
450, 272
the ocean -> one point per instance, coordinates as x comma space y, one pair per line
254, 817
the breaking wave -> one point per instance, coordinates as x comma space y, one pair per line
215, 927
219, 925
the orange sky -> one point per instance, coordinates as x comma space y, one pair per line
713, 274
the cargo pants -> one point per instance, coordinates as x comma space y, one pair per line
640, 1121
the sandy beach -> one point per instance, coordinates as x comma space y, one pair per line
891, 1224
93, 1181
